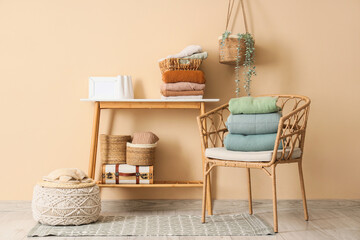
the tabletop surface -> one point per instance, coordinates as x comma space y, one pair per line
149, 100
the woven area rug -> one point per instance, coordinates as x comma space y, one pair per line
153, 225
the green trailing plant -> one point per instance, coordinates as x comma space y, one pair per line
248, 63
225, 35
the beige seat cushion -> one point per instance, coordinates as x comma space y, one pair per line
263, 156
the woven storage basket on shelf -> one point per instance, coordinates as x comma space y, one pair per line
170, 64
113, 148
228, 49
66, 204
140, 154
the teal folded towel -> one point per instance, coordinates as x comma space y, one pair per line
253, 105
253, 123
250, 143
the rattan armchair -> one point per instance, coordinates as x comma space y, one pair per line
291, 134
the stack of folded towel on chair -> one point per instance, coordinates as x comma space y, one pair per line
252, 124
184, 84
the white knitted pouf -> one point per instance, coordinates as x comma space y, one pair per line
66, 204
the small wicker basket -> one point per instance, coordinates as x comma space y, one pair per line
140, 154
228, 49
113, 148
171, 64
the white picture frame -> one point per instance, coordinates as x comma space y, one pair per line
104, 88
110, 88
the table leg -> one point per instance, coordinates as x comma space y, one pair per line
94, 140
208, 182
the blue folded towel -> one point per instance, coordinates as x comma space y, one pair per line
250, 143
253, 123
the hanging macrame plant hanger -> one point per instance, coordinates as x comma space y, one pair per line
229, 45
238, 50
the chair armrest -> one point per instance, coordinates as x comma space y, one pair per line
212, 127
291, 133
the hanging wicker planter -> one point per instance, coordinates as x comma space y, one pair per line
238, 50
232, 47
228, 49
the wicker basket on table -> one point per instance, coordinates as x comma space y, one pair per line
171, 64
113, 148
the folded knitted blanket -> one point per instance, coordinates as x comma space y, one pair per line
182, 86
253, 123
67, 175
181, 97
188, 51
250, 143
181, 93
183, 76
253, 105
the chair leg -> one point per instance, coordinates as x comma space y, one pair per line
249, 188
306, 216
208, 196
204, 195
273, 175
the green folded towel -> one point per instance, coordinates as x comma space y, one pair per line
253, 105
253, 123
250, 143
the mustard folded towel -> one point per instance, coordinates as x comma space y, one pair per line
183, 76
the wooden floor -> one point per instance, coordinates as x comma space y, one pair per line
329, 219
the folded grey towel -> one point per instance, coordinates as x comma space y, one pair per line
188, 51
202, 55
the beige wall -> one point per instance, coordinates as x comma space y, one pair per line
48, 50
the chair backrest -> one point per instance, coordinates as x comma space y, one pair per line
291, 131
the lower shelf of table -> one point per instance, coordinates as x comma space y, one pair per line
157, 184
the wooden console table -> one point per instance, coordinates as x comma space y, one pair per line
143, 104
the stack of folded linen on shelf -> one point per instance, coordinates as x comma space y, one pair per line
180, 74
252, 124
183, 83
